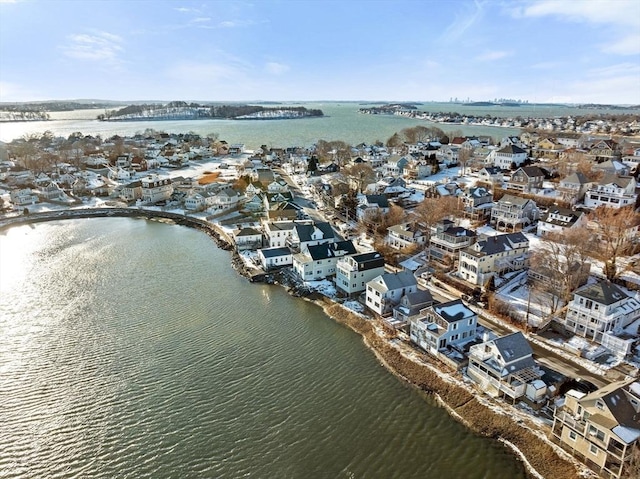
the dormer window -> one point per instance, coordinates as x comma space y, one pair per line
599, 404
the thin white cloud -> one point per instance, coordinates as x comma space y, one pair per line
545, 65
236, 23
201, 20
17, 92
493, 55
97, 46
624, 15
186, 10
276, 68
464, 20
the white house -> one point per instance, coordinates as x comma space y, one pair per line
507, 156
354, 271
612, 191
513, 213
602, 312
23, 197
444, 325
271, 258
503, 366
247, 239
319, 261
558, 219
155, 189
385, 291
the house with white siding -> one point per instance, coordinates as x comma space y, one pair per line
443, 325
384, 292
319, 261
353, 272
612, 191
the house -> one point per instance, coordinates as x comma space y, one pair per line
443, 326
493, 256
514, 213
573, 188
236, 149
319, 261
602, 312
155, 189
548, 149
604, 150
283, 211
277, 232
194, 202
247, 239
304, 235
417, 169
507, 156
385, 291
558, 219
223, 200
490, 174
405, 235
503, 366
23, 197
447, 241
612, 191
371, 204
526, 179
51, 191
354, 271
271, 258
409, 308
602, 428
395, 166
477, 203
612, 167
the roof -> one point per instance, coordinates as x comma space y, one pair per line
602, 292
331, 250
513, 346
532, 171
499, 243
511, 150
393, 281
453, 311
515, 200
248, 232
576, 178
618, 403
613, 179
273, 252
304, 231
368, 260
572, 216
379, 200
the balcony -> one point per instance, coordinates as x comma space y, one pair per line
575, 424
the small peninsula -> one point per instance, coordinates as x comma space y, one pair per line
180, 110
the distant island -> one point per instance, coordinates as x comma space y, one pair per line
180, 110
388, 108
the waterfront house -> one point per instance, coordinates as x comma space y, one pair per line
51, 191
23, 197
354, 271
557, 220
492, 256
503, 366
417, 170
443, 325
385, 291
319, 261
548, 149
526, 179
304, 235
405, 235
513, 213
490, 174
612, 191
272, 258
602, 312
409, 308
277, 232
155, 189
601, 428
604, 150
247, 239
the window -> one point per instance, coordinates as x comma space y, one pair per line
593, 450
572, 435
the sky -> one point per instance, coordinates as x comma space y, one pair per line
560, 51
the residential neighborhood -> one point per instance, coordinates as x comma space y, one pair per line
509, 272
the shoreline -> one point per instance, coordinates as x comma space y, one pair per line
541, 459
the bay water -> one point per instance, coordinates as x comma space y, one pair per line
131, 349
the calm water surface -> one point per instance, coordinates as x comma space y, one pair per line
130, 348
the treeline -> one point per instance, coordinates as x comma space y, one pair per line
51, 106
176, 109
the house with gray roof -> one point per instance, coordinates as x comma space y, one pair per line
601, 428
612, 191
503, 367
444, 325
604, 313
410, 307
513, 213
319, 261
477, 202
573, 187
526, 179
304, 235
492, 256
507, 156
386, 290
274, 258
558, 219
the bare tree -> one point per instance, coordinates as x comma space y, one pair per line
464, 155
433, 210
361, 173
614, 228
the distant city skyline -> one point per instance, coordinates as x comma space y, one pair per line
540, 51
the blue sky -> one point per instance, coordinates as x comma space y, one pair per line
573, 51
